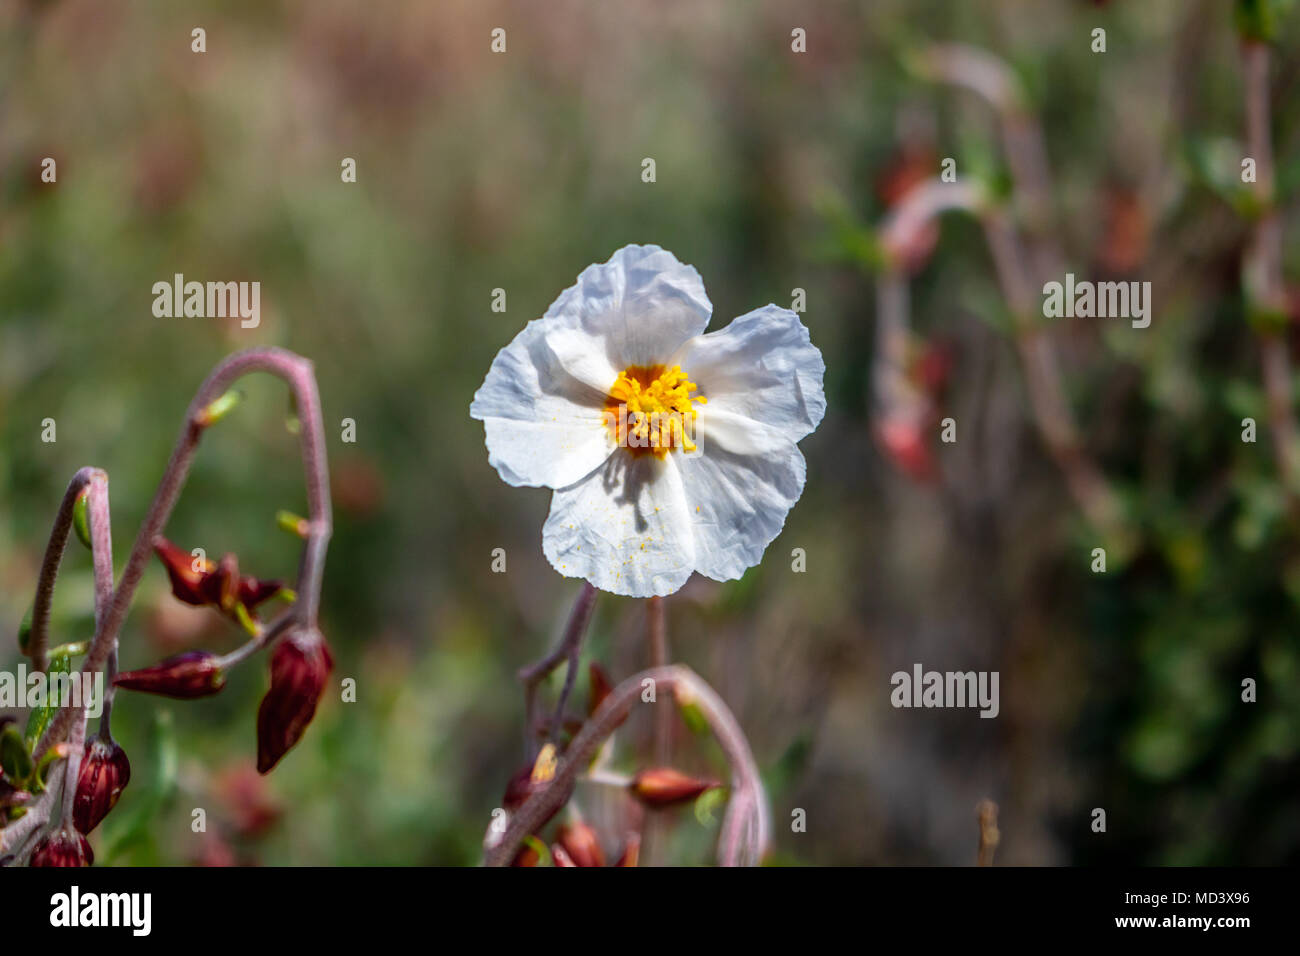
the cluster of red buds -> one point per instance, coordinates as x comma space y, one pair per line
48, 826
104, 771
576, 843
300, 662
200, 583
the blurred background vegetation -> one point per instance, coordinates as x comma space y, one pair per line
479, 171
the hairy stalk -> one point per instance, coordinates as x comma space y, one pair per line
657, 629
50, 567
746, 828
654, 824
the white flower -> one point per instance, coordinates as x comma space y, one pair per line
641, 499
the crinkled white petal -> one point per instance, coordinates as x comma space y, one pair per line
738, 503
762, 367
542, 417
626, 527
642, 304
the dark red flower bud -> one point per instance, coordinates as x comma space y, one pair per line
664, 786
253, 591
299, 668
219, 585
188, 585
184, 676
65, 847
105, 771
579, 840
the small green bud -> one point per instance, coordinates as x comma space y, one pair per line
292, 523
81, 519
25, 632
220, 408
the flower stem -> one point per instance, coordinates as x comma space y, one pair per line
568, 650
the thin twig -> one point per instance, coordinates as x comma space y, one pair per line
568, 650
657, 630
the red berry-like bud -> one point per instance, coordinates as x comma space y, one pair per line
664, 786
579, 840
299, 668
65, 847
185, 676
105, 771
188, 585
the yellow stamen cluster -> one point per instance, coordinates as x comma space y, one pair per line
648, 409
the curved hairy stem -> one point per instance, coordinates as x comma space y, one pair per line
746, 830
50, 567
22, 835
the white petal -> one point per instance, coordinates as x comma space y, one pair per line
738, 504
642, 303
625, 527
543, 424
763, 367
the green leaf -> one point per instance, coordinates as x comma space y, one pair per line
60, 663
